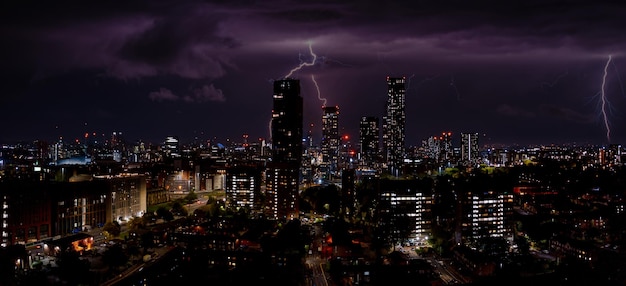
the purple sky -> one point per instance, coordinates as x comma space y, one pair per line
530, 73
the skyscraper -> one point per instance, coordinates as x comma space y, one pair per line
394, 125
404, 209
445, 148
283, 172
369, 140
469, 147
171, 147
330, 139
242, 186
488, 215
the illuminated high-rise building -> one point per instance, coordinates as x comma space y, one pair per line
330, 139
489, 215
243, 186
469, 148
445, 147
405, 209
394, 124
369, 139
431, 148
171, 146
116, 140
283, 171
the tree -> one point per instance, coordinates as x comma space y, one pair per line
213, 207
165, 214
137, 223
179, 209
191, 197
111, 229
149, 218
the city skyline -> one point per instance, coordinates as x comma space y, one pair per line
541, 72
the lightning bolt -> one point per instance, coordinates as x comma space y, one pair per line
317, 87
605, 101
308, 64
299, 67
303, 64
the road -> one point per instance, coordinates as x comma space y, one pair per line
158, 253
195, 205
446, 272
314, 261
317, 275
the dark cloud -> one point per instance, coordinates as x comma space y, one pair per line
507, 110
566, 114
163, 94
198, 95
204, 94
307, 15
532, 60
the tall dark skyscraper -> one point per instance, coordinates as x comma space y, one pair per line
287, 122
330, 139
394, 125
445, 148
283, 172
369, 139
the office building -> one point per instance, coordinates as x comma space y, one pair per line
171, 147
283, 171
489, 215
369, 140
405, 210
446, 151
330, 140
243, 187
469, 148
394, 125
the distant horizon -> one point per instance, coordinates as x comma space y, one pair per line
214, 140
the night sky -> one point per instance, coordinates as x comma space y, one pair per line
529, 73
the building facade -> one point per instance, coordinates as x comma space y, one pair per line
489, 215
470, 152
330, 140
394, 125
33, 211
405, 209
369, 140
283, 172
243, 187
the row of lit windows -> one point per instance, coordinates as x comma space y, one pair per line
479, 219
490, 202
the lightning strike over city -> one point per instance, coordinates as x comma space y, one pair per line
127, 158
303, 63
605, 101
317, 87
